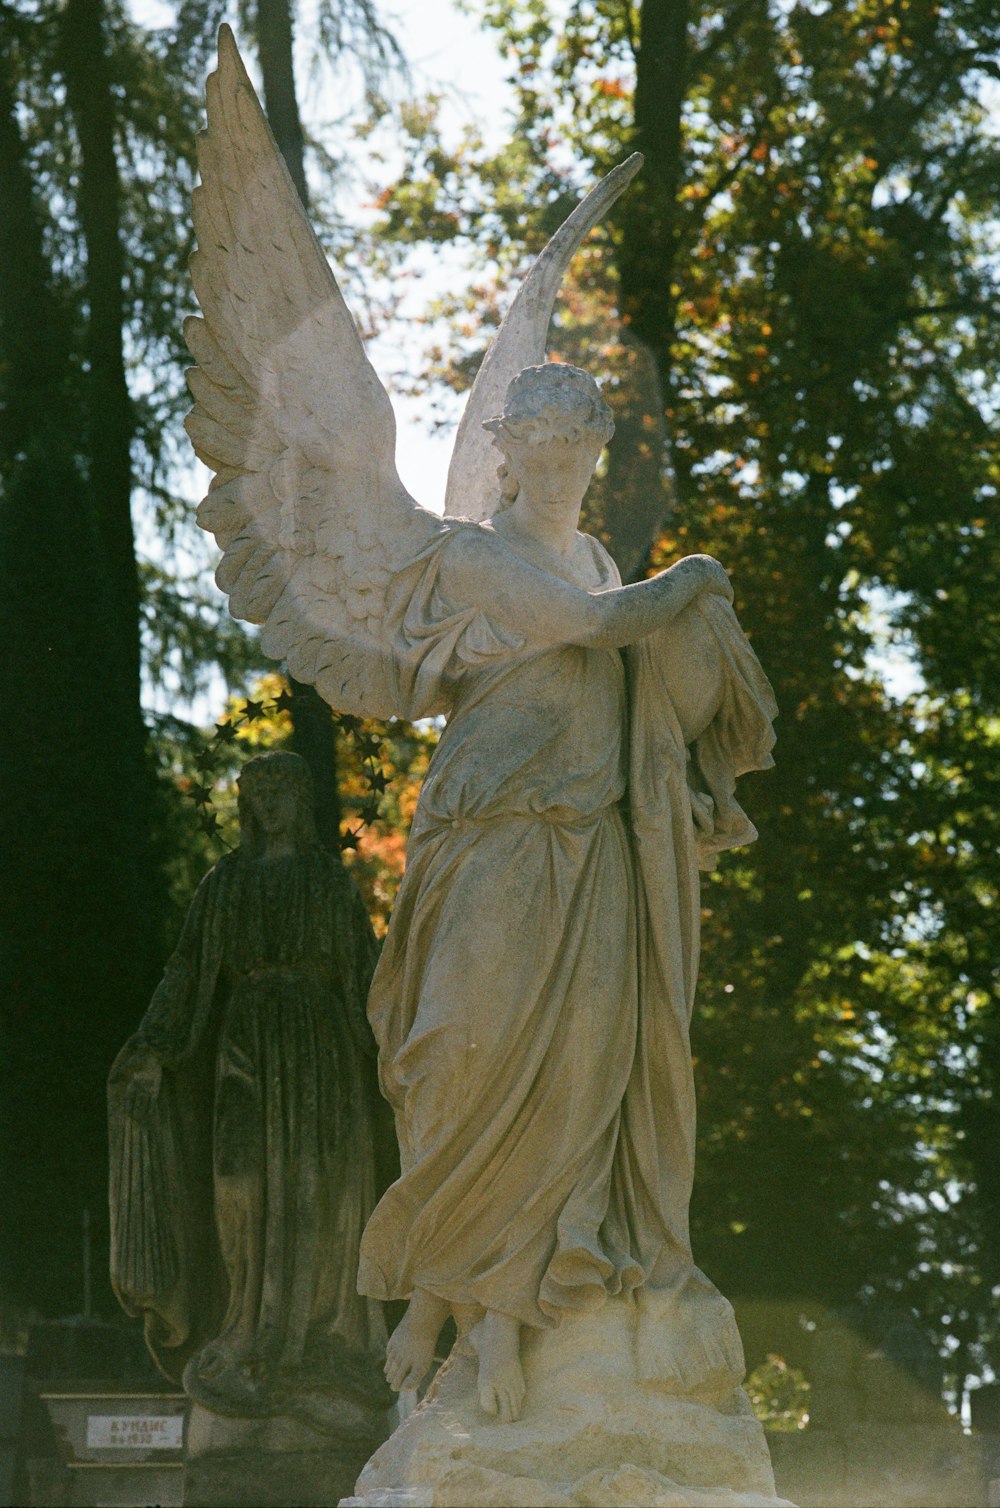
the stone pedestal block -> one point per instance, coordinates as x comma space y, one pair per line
278, 1462
592, 1433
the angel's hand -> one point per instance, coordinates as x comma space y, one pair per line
703, 573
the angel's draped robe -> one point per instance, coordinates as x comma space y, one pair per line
534, 993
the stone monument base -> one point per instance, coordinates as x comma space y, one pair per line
280, 1462
593, 1435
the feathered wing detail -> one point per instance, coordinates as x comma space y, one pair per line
306, 503
521, 342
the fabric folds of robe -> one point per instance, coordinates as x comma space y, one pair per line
699, 702
533, 996
238, 1202
505, 999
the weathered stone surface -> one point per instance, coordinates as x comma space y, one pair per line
592, 1432
835, 1405
245, 1125
988, 1443
890, 1393
913, 1466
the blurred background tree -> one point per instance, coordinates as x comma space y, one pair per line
96, 132
98, 116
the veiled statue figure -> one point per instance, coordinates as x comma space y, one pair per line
247, 1149
533, 997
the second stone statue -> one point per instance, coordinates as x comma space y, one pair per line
249, 1146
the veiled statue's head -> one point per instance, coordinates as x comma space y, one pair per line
276, 801
552, 430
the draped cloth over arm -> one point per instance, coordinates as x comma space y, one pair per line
701, 712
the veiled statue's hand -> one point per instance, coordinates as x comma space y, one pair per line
706, 574
142, 1072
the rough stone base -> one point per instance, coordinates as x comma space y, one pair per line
274, 1463
592, 1436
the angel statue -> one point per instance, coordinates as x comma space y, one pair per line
533, 996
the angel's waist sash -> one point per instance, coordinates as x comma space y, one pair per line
429, 822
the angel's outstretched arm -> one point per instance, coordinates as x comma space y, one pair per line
480, 570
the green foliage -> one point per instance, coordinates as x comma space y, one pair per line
779, 1395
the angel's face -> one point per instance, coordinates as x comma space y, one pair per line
554, 473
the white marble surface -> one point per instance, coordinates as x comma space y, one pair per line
593, 1433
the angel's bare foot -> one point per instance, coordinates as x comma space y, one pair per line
410, 1351
497, 1339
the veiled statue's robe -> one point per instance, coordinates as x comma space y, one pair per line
238, 1203
534, 992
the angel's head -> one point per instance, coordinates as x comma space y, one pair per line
552, 430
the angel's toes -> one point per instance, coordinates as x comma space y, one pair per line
408, 1378
511, 1399
396, 1369
503, 1394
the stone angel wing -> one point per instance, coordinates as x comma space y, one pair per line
316, 529
306, 504
520, 342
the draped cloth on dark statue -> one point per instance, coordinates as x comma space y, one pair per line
239, 1199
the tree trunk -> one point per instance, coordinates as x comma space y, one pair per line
275, 43
641, 467
636, 486
75, 916
649, 221
313, 732
108, 441
89, 92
